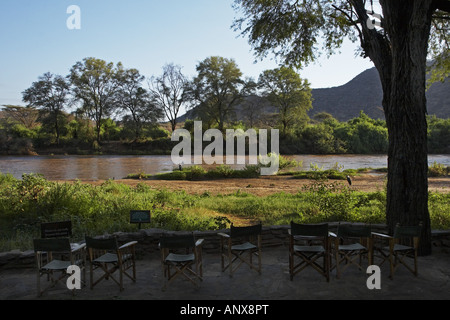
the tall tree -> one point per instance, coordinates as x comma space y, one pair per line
168, 92
51, 94
95, 83
218, 88
398, 48
289, 93
136, 100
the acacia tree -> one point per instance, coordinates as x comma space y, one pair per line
95, 83
51, 94
135, 99
27, 116
218, 88
399, 48
289, 93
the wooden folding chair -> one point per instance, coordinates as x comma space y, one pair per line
183, 254
401, 248
242, 244
309, 243
106, 255
57, 255
351, 244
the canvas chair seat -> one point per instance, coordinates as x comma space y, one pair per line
57, 265
106, 258
399, 247
243, 247
309, 248
352, 247
180, 257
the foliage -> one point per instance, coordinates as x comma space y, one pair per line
96, 210
217, 89
290, 94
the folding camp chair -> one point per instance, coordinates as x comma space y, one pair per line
351, 244
242, 244
106, 255
181, 253
309, 243
401, 248
57, 255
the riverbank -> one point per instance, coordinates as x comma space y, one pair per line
268, 185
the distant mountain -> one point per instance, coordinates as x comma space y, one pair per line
362, 93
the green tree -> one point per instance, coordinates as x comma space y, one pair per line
290, 94
136, 100
95, 84
51, 94
218, 88
439, 135
399, 50
317, 139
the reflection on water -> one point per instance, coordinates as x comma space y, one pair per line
117, 167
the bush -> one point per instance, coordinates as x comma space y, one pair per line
438, 170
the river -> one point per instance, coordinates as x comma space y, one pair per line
118, 167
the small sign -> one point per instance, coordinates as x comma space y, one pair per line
140, 216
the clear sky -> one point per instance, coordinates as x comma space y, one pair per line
142, 34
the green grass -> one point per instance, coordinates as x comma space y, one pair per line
96, 210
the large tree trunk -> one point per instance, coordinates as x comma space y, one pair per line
407, 23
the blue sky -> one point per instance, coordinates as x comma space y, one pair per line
142, 34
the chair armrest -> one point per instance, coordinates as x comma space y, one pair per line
127, 245
223, 235
199, 242
77, 247
381, 235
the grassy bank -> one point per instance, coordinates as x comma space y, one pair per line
96, 210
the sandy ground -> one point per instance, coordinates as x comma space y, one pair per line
264, 186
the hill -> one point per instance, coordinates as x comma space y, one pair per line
364, 93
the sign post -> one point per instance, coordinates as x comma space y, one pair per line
139, 217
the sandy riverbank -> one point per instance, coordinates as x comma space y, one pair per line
264, 186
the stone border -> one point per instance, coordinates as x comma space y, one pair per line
148, 239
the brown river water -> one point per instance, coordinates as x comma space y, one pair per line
118, 167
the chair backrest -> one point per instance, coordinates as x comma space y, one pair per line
52, 245
56, 229
177, 242
237, 232
309, 230
102, 244
407, 231
354, 231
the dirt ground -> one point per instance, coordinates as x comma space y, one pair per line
264, 186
